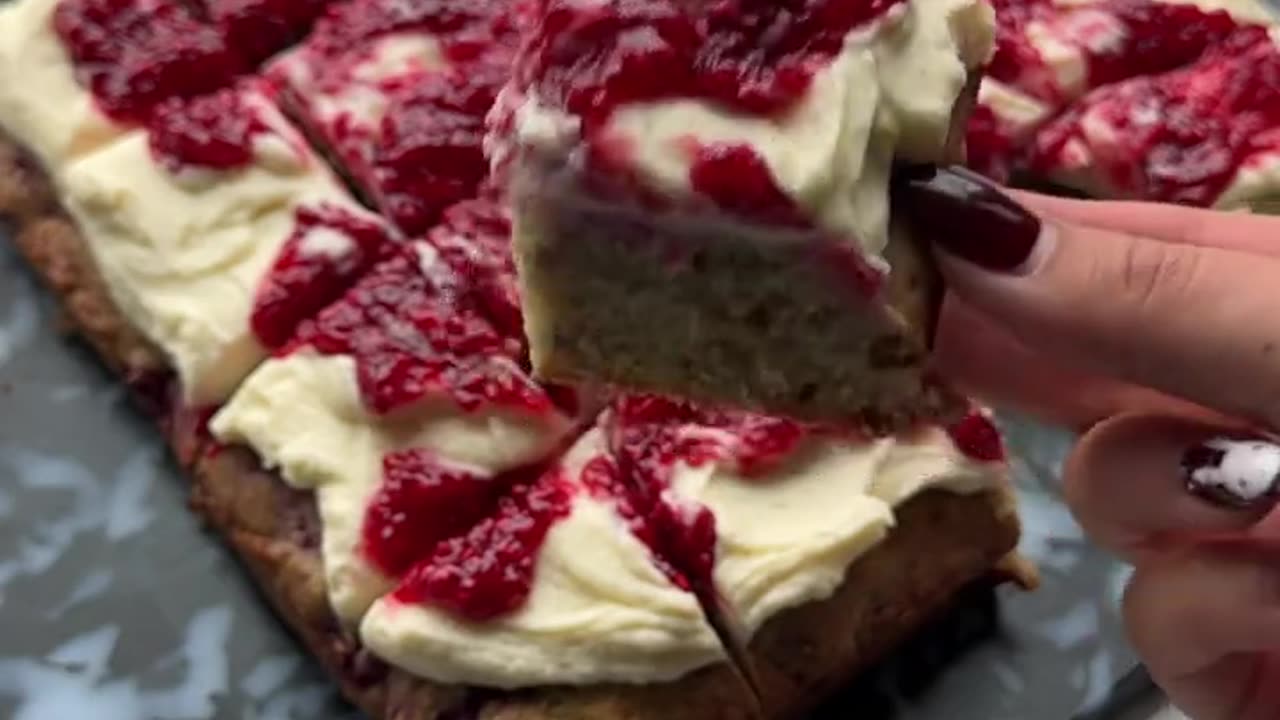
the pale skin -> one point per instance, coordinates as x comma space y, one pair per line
1150, 329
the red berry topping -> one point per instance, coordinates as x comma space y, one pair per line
977, 437
489, 571
737, 180
1182, 136
465, 28
213, 131
329, 249
419, 504
681, 538
415, 331
258, 29
1117, 39
647, 437
475, 236
752, 55
133, 54
430, 155
425, 152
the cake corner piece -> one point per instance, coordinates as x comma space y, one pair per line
733, 243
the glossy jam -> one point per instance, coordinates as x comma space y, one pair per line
258, 29
214, 131
305, 278
1115, 39
754, 56
736, 179
415, 333
681, 539
1118, 39
475, 237
133, 54
647, 437
751, 56
430, 154
977, 437
1179, 137
424, 152
420, 503
489, 571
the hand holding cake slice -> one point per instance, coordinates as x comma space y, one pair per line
701, 196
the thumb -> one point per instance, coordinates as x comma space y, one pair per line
1186, 318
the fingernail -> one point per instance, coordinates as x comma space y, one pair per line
1242, 474
968, 216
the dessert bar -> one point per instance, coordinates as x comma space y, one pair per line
354, 400
1050, 54
1207, 134
705, 213
397, 93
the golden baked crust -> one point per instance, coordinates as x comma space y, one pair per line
943, 542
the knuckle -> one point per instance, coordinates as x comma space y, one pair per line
1153, 277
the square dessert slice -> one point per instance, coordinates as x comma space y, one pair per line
1206, 135
701, 197
402, 379
217, 230
398, 94
1049, 54
728, 496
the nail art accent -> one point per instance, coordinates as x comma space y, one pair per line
1234, 473
967, 215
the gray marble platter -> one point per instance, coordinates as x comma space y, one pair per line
115, 605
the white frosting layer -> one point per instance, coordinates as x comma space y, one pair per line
788, 538
889, 93
1018, 113
303, 415
41, 104
183, 254
599, 611
784, 539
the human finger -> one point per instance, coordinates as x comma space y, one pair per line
1194, 322
1138, 483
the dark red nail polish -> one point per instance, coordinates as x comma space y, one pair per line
967, 215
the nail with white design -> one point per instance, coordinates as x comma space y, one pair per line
1234, 473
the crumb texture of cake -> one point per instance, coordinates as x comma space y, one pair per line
692, 211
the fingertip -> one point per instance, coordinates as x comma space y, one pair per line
1126, 484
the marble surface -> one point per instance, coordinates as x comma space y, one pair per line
115, 605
